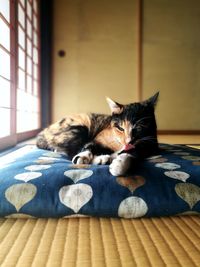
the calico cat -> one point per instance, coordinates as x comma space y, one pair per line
122, 139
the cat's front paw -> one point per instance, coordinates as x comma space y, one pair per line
84, 157
120, 165
101, 160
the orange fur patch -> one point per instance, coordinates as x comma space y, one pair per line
78, 119
108, 139
55, 136
115, 139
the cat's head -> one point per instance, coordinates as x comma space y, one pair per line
134, 122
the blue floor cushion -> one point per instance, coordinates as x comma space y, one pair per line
40, 183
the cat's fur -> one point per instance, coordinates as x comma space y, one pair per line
122, 139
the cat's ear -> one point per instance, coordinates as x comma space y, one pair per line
152, 101
115, 107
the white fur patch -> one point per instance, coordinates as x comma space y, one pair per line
120, 165
84, 157
101, 160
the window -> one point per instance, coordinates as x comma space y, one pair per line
19, 70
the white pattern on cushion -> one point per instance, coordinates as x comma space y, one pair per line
20, 194
132, 207
75, 196
77, 175
27, 176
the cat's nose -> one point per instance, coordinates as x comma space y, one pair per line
128, 140
128, 147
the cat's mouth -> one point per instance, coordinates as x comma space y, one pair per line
128, 147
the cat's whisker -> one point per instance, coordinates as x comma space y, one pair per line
145, 139
142, 125
147, 117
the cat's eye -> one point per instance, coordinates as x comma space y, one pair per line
119, 127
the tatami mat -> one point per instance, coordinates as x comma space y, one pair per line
100, 242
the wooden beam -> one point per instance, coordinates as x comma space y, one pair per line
139, 6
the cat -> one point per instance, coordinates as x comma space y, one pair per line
121, 139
